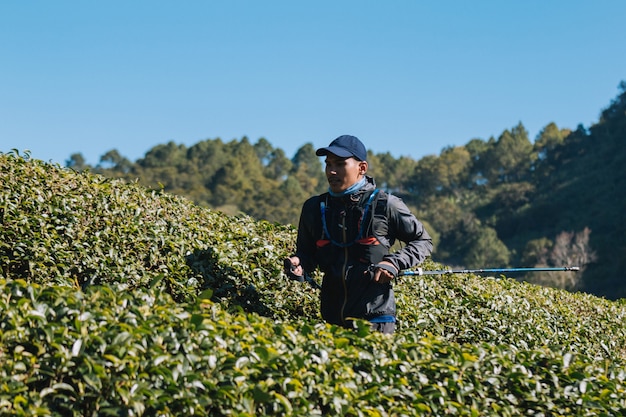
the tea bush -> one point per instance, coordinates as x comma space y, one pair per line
105, 352
80, 229
119, 300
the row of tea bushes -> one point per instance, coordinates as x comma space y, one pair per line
104, 352
79, 229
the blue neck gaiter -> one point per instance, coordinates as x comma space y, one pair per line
350, 190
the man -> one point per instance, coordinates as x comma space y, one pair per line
347, 232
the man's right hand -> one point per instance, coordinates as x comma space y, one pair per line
293, 269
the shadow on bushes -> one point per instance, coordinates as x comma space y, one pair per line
227, 285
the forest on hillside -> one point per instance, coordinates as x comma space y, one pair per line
557, 200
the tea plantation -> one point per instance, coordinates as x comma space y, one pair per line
124, 301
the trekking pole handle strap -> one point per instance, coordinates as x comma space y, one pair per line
389, 268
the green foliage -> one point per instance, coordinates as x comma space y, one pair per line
511, 156
499, 310
119, 300
234, 177
102, 352
81, 230
445, 174
567, 182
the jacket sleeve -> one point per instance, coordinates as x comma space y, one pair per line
404, 226
306, 239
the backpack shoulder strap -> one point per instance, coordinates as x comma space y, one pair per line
380, 203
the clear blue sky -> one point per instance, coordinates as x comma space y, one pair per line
408, 77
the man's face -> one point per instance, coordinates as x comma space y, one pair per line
343, 172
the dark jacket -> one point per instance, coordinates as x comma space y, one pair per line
344, 236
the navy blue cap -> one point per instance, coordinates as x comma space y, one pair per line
345, 146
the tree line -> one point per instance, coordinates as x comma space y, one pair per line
557, 200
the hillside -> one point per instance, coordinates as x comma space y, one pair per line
122, 300
506, 201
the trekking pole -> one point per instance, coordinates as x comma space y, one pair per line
419, 271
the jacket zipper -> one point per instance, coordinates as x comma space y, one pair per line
344, 269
